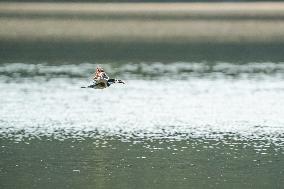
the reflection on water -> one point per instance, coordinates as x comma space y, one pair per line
205, 125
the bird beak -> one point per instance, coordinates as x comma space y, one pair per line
120, 81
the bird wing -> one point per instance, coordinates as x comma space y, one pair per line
100, 74
97, 74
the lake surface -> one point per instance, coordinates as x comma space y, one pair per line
173, 125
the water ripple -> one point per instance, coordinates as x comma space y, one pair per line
177, 70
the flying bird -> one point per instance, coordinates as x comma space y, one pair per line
102, 81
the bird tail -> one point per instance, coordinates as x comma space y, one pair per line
90, 86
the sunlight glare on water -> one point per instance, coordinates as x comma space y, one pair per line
177, 100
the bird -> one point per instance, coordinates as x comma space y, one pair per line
101, 80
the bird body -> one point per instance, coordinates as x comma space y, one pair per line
101, 80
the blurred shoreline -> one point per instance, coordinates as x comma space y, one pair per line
144, 31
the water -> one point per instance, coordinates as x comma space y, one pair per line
174, 125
